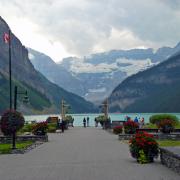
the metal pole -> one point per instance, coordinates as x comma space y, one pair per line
10, 91
15, 97
62, 109
15, 106
10, 79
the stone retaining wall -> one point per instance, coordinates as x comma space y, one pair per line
7, 139
172, 136
170, 157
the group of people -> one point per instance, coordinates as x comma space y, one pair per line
139, 121
86, 122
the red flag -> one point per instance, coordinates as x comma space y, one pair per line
6, 38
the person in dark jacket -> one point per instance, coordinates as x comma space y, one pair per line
63, 125
87, 121
84, 122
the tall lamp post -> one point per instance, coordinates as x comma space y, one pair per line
10, 79
105, 107
16, 92
7, 40
64, 108
26, 99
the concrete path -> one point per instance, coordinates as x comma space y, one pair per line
81, 154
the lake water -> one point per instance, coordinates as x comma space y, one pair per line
78, 118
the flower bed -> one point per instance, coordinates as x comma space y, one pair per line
117, 129
144, 147
11, 121
130, 127
40, 128
167, 125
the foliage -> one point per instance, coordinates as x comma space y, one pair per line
52, 127
69, 119
101, 118
165, 143
142, 159
117, 129
167, 125
40, 128
7, 148
156, 119
130, 127
147, 143
11, 121
177, 125
37, 101
26, 128
150, 126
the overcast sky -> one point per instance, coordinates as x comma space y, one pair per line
62, 28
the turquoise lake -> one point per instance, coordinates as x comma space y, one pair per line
78, 118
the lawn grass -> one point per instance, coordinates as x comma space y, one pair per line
153, 126
7, 148
166, 143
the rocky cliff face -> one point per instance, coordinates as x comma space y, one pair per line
24, 72
153, 90
55, 73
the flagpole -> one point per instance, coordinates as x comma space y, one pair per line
10, 79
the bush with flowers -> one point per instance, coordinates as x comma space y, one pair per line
144, 147
11, 122
117, 129
130, 127
40, 128
167, 125
157, 118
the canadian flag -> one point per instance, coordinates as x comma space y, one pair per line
6, 38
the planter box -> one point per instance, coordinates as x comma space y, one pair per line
7, 139
170, 157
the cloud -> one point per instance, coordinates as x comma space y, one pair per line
175, 4
82, 27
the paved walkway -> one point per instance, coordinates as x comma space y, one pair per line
81, 154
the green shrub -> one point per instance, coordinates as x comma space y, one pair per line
40, 128
166, 125
51, 127
26, 128
156, 119
101, 118
69, 119
11, 121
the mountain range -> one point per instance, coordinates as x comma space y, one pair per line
154, 90
94, 77
44, 96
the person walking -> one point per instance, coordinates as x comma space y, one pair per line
73, 122
62, 125
84, 122
87, 121
141, 123
96, 122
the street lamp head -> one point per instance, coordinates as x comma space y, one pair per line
25, 99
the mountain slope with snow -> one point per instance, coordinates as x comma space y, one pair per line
95, 76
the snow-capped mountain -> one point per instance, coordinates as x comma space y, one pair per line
95, 76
